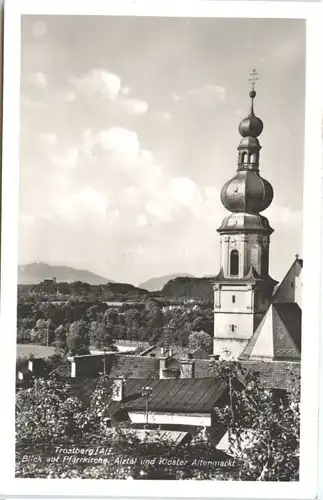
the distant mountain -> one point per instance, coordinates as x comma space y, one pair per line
156, 284
36, 272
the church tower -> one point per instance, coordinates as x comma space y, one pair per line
243, 288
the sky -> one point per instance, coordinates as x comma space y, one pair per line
129, 129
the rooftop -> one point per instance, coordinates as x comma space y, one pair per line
179, 395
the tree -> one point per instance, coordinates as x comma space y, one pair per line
201, 339
42, 333
46, 414
78, 338
103, 336
263, 425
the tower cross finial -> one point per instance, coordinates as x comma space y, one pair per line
253, 78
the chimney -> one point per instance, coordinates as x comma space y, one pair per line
117, 389
170, 351
30, 365
162, 351
162, 366
187, 368
73, 367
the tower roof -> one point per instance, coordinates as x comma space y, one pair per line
251, 126
247, 192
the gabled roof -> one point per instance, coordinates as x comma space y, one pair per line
278, 337
179, 353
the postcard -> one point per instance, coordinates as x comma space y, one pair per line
161, 249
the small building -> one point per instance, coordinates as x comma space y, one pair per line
175, 404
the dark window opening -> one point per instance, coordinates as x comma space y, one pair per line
233, 299
264, 263
234, 263
233, 327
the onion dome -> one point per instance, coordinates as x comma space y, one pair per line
251, 126
247, 192
246, 223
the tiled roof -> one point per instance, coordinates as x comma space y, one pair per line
179, 352
274, 374
278, 336
117, 365
288, 316
134, 367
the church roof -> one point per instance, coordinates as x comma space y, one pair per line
285, 291
278, 337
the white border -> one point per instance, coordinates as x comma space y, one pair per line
307, 487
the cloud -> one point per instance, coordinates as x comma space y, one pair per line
110, 199
49, 139
98, 81
39, 29
284, 215
125, 91
67, 96
80, 204
207, 93
38, 79
134, 106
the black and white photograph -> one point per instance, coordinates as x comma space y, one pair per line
160, 248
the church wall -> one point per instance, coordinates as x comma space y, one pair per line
232, 325
233, 299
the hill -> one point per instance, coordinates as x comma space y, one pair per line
189, 288
156, 284
38, 271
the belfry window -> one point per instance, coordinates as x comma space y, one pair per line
253, 158
234, 263
264, 263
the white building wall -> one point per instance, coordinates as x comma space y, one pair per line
198, 419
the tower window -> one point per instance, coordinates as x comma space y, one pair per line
264, 263
234, 263
253, 158
233, 299
233, 328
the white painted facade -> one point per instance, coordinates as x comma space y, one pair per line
198, 419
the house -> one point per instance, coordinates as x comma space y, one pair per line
28, 368
181, 405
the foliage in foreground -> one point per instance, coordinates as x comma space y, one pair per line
263, 428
